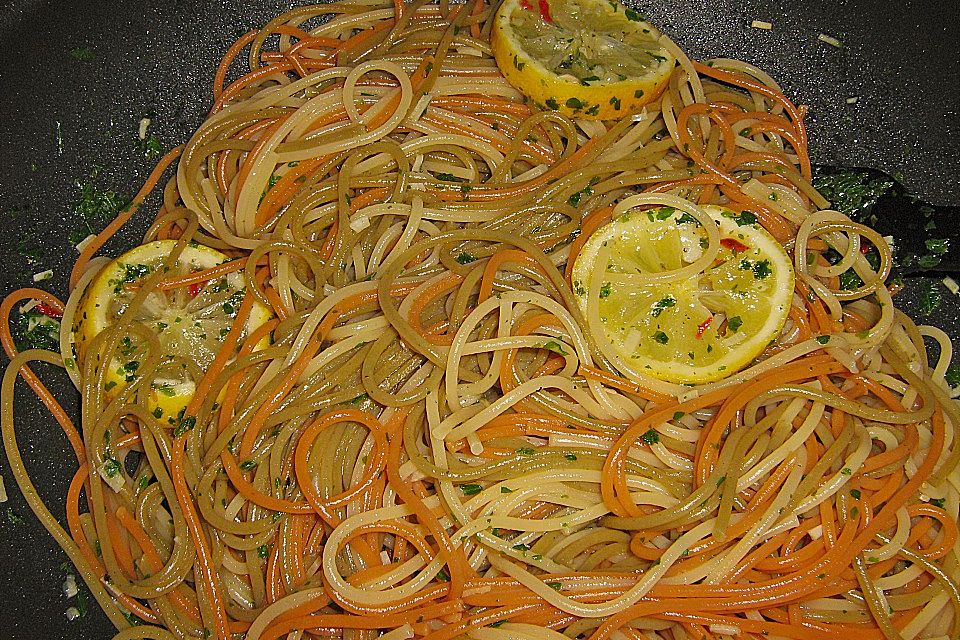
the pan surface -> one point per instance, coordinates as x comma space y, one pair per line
76, 78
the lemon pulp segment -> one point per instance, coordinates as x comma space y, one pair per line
189, 322
587, 59
690, 330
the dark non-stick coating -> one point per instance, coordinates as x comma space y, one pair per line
62, 119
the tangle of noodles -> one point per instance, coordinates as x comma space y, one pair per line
417, 462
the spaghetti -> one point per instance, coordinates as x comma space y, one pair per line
432, 444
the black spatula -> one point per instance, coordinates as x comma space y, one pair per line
926, 237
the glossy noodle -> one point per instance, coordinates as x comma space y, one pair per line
425, 437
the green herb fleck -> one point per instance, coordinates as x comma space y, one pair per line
930, 298
852, 192
152, 149
555, 346
111, 467
84, 54
952, 376
186, 424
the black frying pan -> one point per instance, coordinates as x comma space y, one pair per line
901, 59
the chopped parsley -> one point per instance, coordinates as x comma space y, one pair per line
465, 258
111, 467
661, 304
761, 269
152, 149
83, 54
470, 489
34, 330
650, 437
930, 298
186, 424
742, 218
952, 376
555, 346
734, 323
95, 208
938, 246
661, 337
852, 192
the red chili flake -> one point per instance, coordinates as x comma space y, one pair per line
525, 4
48, 311
545, 11
195, 288
703, 326
864, 249
734, 245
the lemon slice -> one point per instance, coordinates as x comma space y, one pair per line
190, 321
699, 328
593, 59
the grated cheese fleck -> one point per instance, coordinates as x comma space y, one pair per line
852, 100
83, 243
30, 304
830, 40
144, 125
951, 285
43, 275
762, 24
70, 586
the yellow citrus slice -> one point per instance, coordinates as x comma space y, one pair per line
593, 59
190, 322
698, 328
